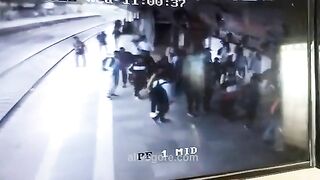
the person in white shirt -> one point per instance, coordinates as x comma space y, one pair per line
144, 45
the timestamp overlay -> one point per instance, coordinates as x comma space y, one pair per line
187, 154
156, 3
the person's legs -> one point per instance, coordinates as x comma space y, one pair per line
116, 41
163, 109
138, 85
197, 102
124, 76
115, 83
207, 99
278, 137
154, 102
268, 133
190, 101
112, 87
136, 89
77, 60
84, 60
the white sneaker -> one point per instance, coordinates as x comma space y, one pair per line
153, 115
190, 115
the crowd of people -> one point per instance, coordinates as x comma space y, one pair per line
197, 76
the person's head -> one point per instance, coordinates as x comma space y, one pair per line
230, 57
140, 59
143, 38
76, 38
122, 49
116, 53
255, 78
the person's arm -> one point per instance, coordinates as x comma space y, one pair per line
151, 81
222, 78
130, 68
275, 106
238, 74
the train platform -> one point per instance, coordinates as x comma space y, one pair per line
67, 128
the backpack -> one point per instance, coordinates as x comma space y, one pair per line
79, 47
159, 93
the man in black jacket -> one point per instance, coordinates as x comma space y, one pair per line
125, 58
139, 71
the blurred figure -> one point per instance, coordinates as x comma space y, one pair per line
117, 32
217, 68
193, 81
79, 48
228, 66
139, 72
101, 37
229, 37
178, 68
224, 51
125, 58
241, 64
170, 54
209, 81
255, 63
229, 85
251, 99
114, 67
273, 132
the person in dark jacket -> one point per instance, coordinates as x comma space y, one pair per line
217, 68
117, 32
125, 58
139, 71
209, 84
79, 48
101, 37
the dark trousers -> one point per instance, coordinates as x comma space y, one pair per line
163, 108
124, 75
138, 84
208, 92
242, 71
153, 102
193, 100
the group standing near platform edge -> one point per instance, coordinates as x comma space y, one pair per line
210, 83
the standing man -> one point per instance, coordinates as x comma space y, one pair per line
114, 66
125, 58
79, 49
101, 37
116, 32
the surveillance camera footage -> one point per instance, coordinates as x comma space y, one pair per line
152, 89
